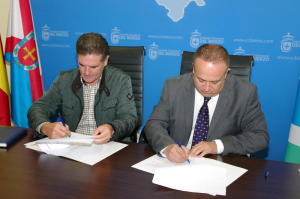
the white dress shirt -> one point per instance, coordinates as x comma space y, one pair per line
212, 103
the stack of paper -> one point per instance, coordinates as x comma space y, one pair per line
202, 175
78, 147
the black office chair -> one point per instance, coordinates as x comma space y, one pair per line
131, 61
239, 65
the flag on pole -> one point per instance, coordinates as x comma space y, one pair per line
4, 92
293, 147
21, 53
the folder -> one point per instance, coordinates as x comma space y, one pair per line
9, 135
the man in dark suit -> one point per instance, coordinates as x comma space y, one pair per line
233, 122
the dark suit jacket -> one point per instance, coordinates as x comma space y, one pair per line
238, 120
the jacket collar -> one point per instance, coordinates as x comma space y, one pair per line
77, 84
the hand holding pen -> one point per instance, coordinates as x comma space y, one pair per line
55, 130
185, 148
68, 132
176, 153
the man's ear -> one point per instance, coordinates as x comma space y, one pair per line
193, 67
106, 60
227, 72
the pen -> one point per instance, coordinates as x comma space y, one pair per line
180, 147
64, 124
267, 173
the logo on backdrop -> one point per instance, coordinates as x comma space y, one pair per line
154, 52
116, 36
196, 39
287, 43
47, 33
257, 57
25, 54
176, 8
239, 51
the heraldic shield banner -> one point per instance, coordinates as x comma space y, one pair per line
21, 53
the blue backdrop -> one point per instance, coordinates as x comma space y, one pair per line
268, 30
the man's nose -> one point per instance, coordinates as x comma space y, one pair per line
86, 70
207, 85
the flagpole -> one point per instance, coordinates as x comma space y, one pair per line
37, 46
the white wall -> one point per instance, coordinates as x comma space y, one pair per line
4, 9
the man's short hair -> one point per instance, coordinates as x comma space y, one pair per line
212, 53
92, 43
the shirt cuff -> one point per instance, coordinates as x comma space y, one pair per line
220, 146
114, 129
38, 128
162, 152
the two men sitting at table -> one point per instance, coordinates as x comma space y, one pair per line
208, 111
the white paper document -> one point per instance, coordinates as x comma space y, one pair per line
78, 147
195, 178
202, 175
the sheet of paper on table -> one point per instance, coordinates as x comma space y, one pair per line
202, 175
77, 147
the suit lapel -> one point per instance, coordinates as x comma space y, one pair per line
223, 101
188, 103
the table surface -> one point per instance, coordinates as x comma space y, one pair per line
25, 173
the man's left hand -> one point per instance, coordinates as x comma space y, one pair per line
203, 148
103, 133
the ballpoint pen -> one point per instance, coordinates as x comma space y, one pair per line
180, 147
267, 173
64, 124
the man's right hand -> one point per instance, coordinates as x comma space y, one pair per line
176, 154
55, 130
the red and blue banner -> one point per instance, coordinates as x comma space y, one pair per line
21, 53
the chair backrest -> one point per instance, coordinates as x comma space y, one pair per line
239, 65
130, 59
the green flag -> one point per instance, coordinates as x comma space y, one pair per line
293, 147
